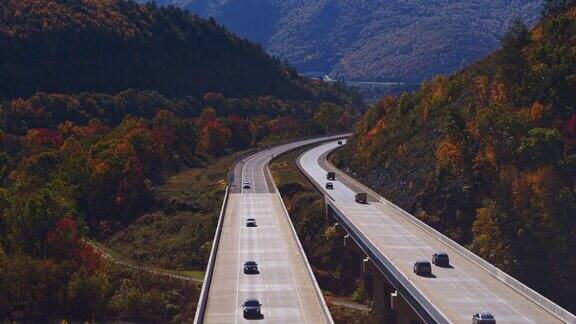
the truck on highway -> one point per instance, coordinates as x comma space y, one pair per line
361, 198
331, 175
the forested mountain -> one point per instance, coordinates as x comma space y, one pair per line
488, 156
371, 40
100, 100
109, 46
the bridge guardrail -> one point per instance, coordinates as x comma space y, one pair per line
510, 281
304, 259
203, 298
423, 307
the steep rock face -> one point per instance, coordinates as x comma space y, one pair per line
379, 40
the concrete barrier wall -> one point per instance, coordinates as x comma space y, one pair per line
203, 298
309, 272
526, 291
545, 303
423, 307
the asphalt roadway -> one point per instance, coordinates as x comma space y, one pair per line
458, 291
283, 285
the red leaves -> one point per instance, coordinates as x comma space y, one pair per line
37, 139
65, 244
570, 126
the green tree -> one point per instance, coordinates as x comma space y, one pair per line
542, 145
489, 240
512, 66
327, 116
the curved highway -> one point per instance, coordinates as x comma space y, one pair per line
284, 285
456, 292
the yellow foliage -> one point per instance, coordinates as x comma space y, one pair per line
448, 152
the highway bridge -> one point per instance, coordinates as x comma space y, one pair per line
385, 239
285, 285
388, 241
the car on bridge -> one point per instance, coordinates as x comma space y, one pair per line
252, 308
331, 175
483, 318
246, 185
339, 142
250, 267
251, 222
441, 259
361, 198
422, 268
329, 185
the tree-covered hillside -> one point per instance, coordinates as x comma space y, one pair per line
488, 156
371, 40
112, 45
101, 101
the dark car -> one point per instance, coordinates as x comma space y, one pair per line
441, 259
339, 142
331, 175
246, 185
483, 318
422, 268
252, 308
251, 222
250, 267
329, 185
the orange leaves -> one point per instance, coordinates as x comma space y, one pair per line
485, 158
448, 153
533, 189
537, 33
380, 125
37, 139
536, 111
213, 138
498, 92
439, 89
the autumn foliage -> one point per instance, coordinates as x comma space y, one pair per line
487, 156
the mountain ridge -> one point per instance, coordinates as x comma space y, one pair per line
371, 40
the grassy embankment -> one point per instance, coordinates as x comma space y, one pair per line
178, 233
323, 246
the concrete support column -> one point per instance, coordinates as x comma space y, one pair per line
404, 313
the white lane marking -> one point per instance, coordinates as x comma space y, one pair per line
327, 147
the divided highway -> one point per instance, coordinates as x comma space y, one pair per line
285, 285
455, 292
